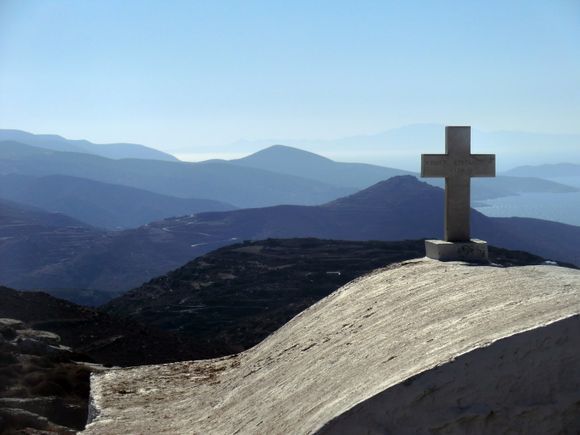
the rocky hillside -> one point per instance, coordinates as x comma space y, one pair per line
231, 299
100, 337
417, 347
35, 241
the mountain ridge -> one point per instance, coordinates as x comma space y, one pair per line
302, 179
406, 143
554, 170
218, 181
11, 212
295, 161
59, 143
125, 259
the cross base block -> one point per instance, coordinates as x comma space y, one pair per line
474, 250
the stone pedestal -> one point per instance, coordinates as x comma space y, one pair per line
474, 250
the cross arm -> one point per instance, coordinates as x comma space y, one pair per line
434, 165
483, 165
445, 166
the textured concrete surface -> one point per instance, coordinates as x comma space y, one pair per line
528, 383
372, 357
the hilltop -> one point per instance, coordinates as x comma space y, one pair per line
420, 345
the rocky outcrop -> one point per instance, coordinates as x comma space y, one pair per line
418, 347
14, 334
17, 420
42, 388
48, 324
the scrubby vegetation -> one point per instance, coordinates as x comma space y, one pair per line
231, 299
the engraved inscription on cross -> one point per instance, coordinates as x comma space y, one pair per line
457, 166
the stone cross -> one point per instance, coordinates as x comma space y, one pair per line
457, 166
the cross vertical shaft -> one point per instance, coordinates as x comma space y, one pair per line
457, 209
457, 188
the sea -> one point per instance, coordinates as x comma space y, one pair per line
559, 207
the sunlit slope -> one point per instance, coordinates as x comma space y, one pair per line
508, 335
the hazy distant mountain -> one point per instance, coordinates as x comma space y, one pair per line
502, 185
218, 181
293, 161
100, 204
402, 147
305, 178
397, 209
558, 170
59, 143
567, 173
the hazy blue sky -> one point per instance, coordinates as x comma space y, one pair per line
179, 75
